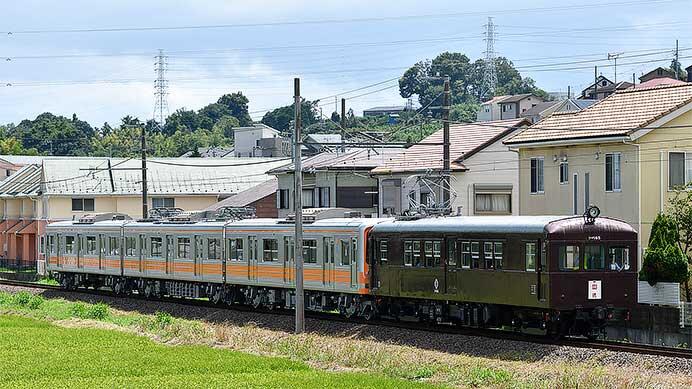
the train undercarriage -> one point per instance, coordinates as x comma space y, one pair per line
589, 323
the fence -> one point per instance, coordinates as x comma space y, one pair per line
14, 265
685, 315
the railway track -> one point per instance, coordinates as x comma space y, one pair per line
614, 346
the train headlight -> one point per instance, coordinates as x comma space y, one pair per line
593, 212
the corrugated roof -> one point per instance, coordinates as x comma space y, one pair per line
515, 98
165, 176
248, 196
22, 160
359, 159
617, 115
386, 108
464, 139
496, 99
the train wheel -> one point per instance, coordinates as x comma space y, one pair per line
368, 312
119, 287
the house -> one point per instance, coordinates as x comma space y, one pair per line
506, 107
603, 88
334, 179
483, 171
625, 154
10, 164
546, 108
659, 72
65, 188
261, 197
385, 111
252, 141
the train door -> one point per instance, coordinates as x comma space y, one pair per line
169, 254
58, 250
289, 261
142, 252
80, 246
197, 256
102, 249
328, 271
452, 261
252, 258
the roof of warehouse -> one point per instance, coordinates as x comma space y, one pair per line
619, 114
464, 141
165, 176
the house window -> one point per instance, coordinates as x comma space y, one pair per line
270, 250
323, 197
156, 247
530, 253
564, 173
679, 170
283, 199
537, 175
310, 251
183, 248
612, 172
163, 202
308, 198
494, 203
82, 205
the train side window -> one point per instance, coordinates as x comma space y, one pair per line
310, 251
568, 257
345, 252
91, 245
466, 255
156, 244
498, 254
102, 245
69, 244
530, 254
270, 250
451, 253
619, 258
475, 254
428, 250
594, 257
183, 248
437, 253
417, 260
488, 254
51, 244
408, 253
235, 249
130, 246
213, 248
113, 247
383, 247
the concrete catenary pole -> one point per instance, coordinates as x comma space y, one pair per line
298, 207
145, 205
445, 149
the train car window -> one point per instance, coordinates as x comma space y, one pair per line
408, 253
498, 254
437, 253
451, 253
213, 248
130, 246
619, 258
417, 260
102, 244
142, 246
475, 254
51, 244
270, 250
91, 245
235, 249
465, 255
69, 244
530, 254
383, 247
428, 246
156, 244
183, 248
568, 257
199, 247
113, 246
346, 252
488, 254
594, 257
310, 251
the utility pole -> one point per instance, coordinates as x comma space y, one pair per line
298, 207
569, 91
634, 79
445, 149
145, 206
343, 124
677, 64
615, 57
595, 82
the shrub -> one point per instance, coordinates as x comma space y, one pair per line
664, 264
27, 300
162, 319
97, 311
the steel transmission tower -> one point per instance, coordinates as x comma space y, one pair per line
161, 89
489, 71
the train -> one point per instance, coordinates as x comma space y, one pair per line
564, 275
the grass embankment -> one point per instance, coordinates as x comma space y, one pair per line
328, 353
39, 354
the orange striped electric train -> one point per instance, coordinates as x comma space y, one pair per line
566, 275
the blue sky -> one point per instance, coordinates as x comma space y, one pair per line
110, 74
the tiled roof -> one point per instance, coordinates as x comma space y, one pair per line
658, 82
248, 196
359, 159
496, 99
515, 98
538, 108
617, 115
464, 140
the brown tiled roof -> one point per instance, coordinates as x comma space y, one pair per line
464, 140
617, 115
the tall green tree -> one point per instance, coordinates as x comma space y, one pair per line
237, 106
280, 118
56, 135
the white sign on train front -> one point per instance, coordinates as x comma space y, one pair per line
594, 290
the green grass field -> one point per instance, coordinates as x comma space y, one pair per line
37, 354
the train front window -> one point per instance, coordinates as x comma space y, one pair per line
619, 258
594, 257
568, 257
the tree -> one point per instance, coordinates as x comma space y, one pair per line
464, 112
226, 125
56, 135
236, 105
280, 118
664, 260
680, 211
